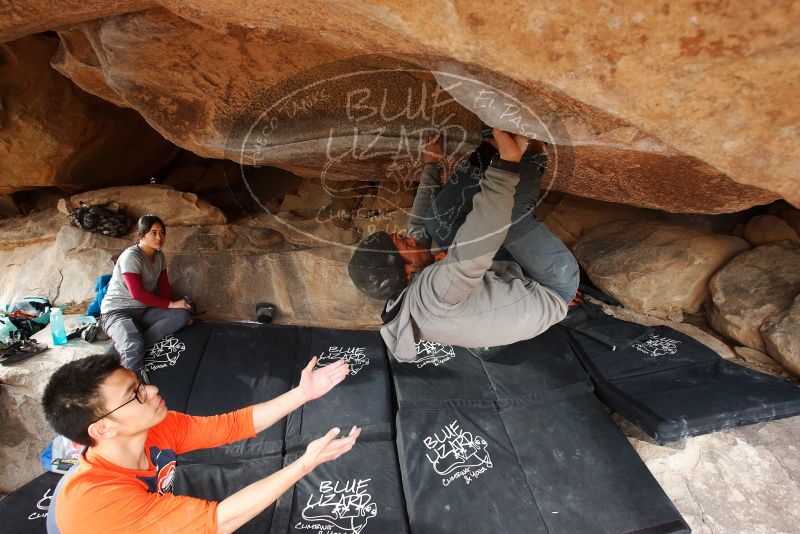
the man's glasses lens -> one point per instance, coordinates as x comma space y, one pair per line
141, 392
143, 376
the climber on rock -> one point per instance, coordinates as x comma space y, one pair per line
498, 274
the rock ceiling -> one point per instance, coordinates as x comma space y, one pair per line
686, 107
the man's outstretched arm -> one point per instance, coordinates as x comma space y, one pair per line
313, 384
248, 502
188, 433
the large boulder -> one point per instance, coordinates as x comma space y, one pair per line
653, 267
570, 217
25, 433
792, 217
764, 229
752, 287
62, 263
208, 98
781, 332
175, 208
54, 134
244, 266
736, 480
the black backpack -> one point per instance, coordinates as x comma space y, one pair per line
106, 219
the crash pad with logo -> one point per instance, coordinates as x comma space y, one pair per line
542, 441
359, 493
362, 399
441, 373
673, 386
25, 510
461, 473
172, 363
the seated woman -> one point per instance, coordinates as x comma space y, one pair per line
138, 309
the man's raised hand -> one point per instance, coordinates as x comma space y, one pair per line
316, 383
328, 448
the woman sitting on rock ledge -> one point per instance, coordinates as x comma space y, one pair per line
138, 309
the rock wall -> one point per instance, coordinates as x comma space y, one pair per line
54, 134
654, 267
668, 106
289, 257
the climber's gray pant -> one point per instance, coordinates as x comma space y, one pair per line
135, 329
542, 256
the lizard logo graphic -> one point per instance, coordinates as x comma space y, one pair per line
347, 506
352, 356
656, 346
43, 505
165, 352
453, 449
432, 353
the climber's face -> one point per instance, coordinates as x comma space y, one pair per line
154, 238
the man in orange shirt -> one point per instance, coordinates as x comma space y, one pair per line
123, 480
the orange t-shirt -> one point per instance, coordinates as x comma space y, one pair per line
102, 497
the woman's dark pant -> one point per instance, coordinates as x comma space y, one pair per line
542, 256
135, 329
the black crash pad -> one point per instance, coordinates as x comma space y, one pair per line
461, 473
172, 363
441, 372
363, 399
535, 369
583, 472
25, 510
215, 482
526, 439
244, 364
359, 493
673, 386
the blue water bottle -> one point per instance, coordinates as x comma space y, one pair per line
57, 327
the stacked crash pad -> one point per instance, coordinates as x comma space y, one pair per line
669, 384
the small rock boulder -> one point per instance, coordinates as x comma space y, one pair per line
764, 229
25, 433
758, 361
175, 208
655, 268
792, 217
781, 332
752, 287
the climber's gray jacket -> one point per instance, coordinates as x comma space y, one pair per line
467, 299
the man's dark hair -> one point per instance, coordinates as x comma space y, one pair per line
146, 222
377, 268
72, 399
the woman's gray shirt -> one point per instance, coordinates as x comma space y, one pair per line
132, 260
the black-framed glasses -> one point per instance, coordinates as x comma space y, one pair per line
139, 394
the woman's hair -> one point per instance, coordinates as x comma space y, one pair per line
146, 222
